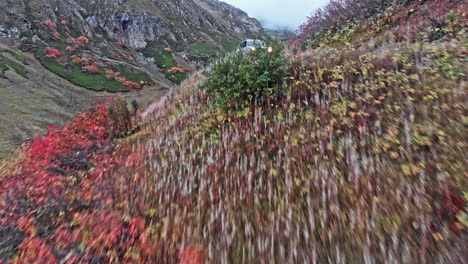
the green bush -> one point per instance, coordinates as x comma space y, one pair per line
241, 79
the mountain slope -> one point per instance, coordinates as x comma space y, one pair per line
181, 25
361, 161
142, 47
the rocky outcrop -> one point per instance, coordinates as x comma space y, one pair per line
231, 17
12, 32
137, 29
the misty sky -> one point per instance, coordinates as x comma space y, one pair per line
279, 13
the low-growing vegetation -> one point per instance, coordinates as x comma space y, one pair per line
164, 60
206, 51
230, 45
69, 57
360, 160
16, 55
358, 22
240, 80
6, 64
91, 73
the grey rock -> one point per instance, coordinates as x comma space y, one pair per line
11, 32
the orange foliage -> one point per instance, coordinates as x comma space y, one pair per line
191, 255
83, 40
132, 85
91, 69
50, 24
53, 53
71, 49
121, 79
75, 59
78, 42
110, 74
175, 69
87, 61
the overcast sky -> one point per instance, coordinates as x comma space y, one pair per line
279, 13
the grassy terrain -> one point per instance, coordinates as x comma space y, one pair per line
164, 60
97, 81
205, 50
17, 56
131, 73
75, 74
230, 45
6, 64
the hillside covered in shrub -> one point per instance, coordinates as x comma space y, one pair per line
357, 155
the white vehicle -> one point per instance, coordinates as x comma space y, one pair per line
250, 45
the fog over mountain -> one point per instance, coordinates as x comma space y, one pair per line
278, 13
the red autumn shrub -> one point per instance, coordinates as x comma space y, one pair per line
121, 79
53, 53
127, 56
71, 49
191, 255
82, 40
175, 69
35, 250
106, 230
78, 42
132, 85
87, 61
110, 74
73, 41
57, 34
99, 63
90, 69
56, 180
51, 25
75, 59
